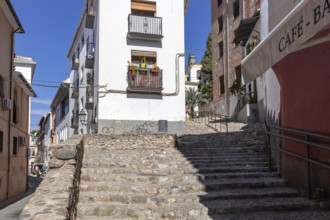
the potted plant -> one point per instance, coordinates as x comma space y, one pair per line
155, 69
132, 69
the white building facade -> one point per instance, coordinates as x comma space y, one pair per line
128, 72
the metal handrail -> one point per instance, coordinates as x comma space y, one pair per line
213, 118
307, 158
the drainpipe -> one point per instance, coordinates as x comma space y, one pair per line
177, 76
227, 62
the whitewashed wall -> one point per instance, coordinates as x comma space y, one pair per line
114, 50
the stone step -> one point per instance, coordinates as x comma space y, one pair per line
119, 211
88, 197
174, 164
143, 188
238, 175
181, 187
240, 183
276, 215
170, 178
223, 155
175, 169
237, 148
259, 204
234, 169
133, 178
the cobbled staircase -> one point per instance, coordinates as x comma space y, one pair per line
208, 176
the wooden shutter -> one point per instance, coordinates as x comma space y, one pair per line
143, 6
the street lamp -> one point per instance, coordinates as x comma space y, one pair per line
83, 116
91, 127
192, 59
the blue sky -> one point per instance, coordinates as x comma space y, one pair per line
50, 26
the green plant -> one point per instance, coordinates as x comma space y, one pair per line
237, 88
206, 88
253, 43
321, 194
193, 99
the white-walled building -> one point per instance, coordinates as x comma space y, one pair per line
128, 66
63, 121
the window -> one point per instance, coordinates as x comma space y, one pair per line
199, 75
64, 106
1, 141
238, 72
2, 94
15, 108
220, 49
15, 149
143, 8
236, 8
222, 84
33, 153
82, 40
219, 2
220, 23
137, 57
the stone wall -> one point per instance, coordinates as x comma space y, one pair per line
57, 195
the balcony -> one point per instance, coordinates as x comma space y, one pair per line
75, 120
89, 22
89, 97
75, 92
75, 61
145, 81
144, 27
90, 56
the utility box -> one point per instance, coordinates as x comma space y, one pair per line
162, 126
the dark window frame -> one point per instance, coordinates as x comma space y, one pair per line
1, 141
2, 88
222, 84
219, 2
15, 146
220, 23
238, 72
236, 10
221, 49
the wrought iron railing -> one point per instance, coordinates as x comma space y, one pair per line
74, 120
145, 80
90, 50
306, 140
75, 61
217, 121
145, 25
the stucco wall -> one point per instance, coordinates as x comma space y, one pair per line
304, 78
5, 44
114, 50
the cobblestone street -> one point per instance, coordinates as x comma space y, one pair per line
12, 211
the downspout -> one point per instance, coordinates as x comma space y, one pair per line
177, 76
177, 80
227, 62
11, 70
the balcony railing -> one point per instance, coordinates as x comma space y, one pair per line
89, 97
89, 18
90, 56
144, 27
74, 120
75, 61
145, 81
75, 92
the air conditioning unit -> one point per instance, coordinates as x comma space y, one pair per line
6, 104
21, 141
